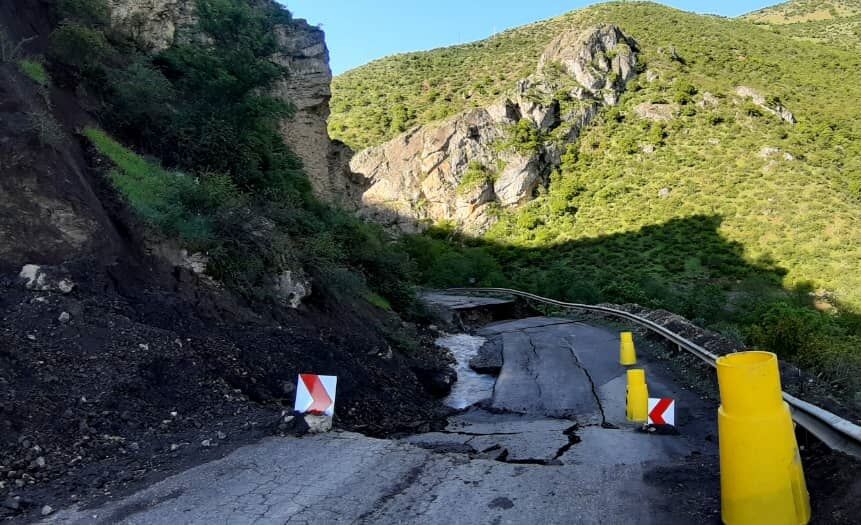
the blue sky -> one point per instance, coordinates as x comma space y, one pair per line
359, 31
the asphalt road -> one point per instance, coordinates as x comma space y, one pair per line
551, 445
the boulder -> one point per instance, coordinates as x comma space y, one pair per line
46, 279
518, 181
290, 288
488, 359
299, 424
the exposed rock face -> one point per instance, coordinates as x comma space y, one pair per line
302, 50
159, 24
461, 169
656, 112
416, 176
774, 107
601, 59
155, 23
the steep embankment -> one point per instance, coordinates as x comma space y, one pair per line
726, 176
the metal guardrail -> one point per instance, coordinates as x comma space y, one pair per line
837, 433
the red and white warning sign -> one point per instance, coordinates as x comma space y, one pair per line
662, 411
316, 394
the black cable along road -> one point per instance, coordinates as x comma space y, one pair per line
837, 433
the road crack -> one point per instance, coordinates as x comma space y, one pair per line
531, 365
591, 382
524, 329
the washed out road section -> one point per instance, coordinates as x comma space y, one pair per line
550, 444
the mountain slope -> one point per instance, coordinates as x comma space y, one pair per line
835, 23
692, 187
805, 11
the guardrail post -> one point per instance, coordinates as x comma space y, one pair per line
762, 480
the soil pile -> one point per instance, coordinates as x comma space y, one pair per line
137, 372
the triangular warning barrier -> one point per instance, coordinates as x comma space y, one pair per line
315, 394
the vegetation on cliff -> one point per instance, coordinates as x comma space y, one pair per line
218, 176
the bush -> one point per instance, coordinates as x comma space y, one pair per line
80, 47
787, 330
36, 71
175, 203
143, 101
525, 138
85, 12
475, 176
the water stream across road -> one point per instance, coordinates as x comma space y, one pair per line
471, 387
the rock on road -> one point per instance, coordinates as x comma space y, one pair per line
551, 445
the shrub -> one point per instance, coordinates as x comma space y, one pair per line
78, 46
36, 71
85, 12
143, 100
475, 176
786, 329
525, 138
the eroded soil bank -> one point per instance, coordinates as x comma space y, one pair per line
137, 374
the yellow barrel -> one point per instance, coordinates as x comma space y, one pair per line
627, 353
637, 396
762, 480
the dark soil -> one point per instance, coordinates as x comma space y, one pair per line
151, 365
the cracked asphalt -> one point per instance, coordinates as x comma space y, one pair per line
551, 445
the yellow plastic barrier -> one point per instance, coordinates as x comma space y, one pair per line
627, 353
638, 396
762, 481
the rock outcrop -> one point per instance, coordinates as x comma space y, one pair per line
773, 106
158, 24
656, 112
464, 168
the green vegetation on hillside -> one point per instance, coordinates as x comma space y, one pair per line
375, 102
217, 176
796, 11
836, 23
724, 213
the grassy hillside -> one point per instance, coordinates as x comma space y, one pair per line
805, 11
733, 211
836, 23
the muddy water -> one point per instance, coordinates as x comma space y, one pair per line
470, 387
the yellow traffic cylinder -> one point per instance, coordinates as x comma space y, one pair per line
762, 480
638, 396
627, 353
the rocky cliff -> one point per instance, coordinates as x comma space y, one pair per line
157, 24
465, 167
